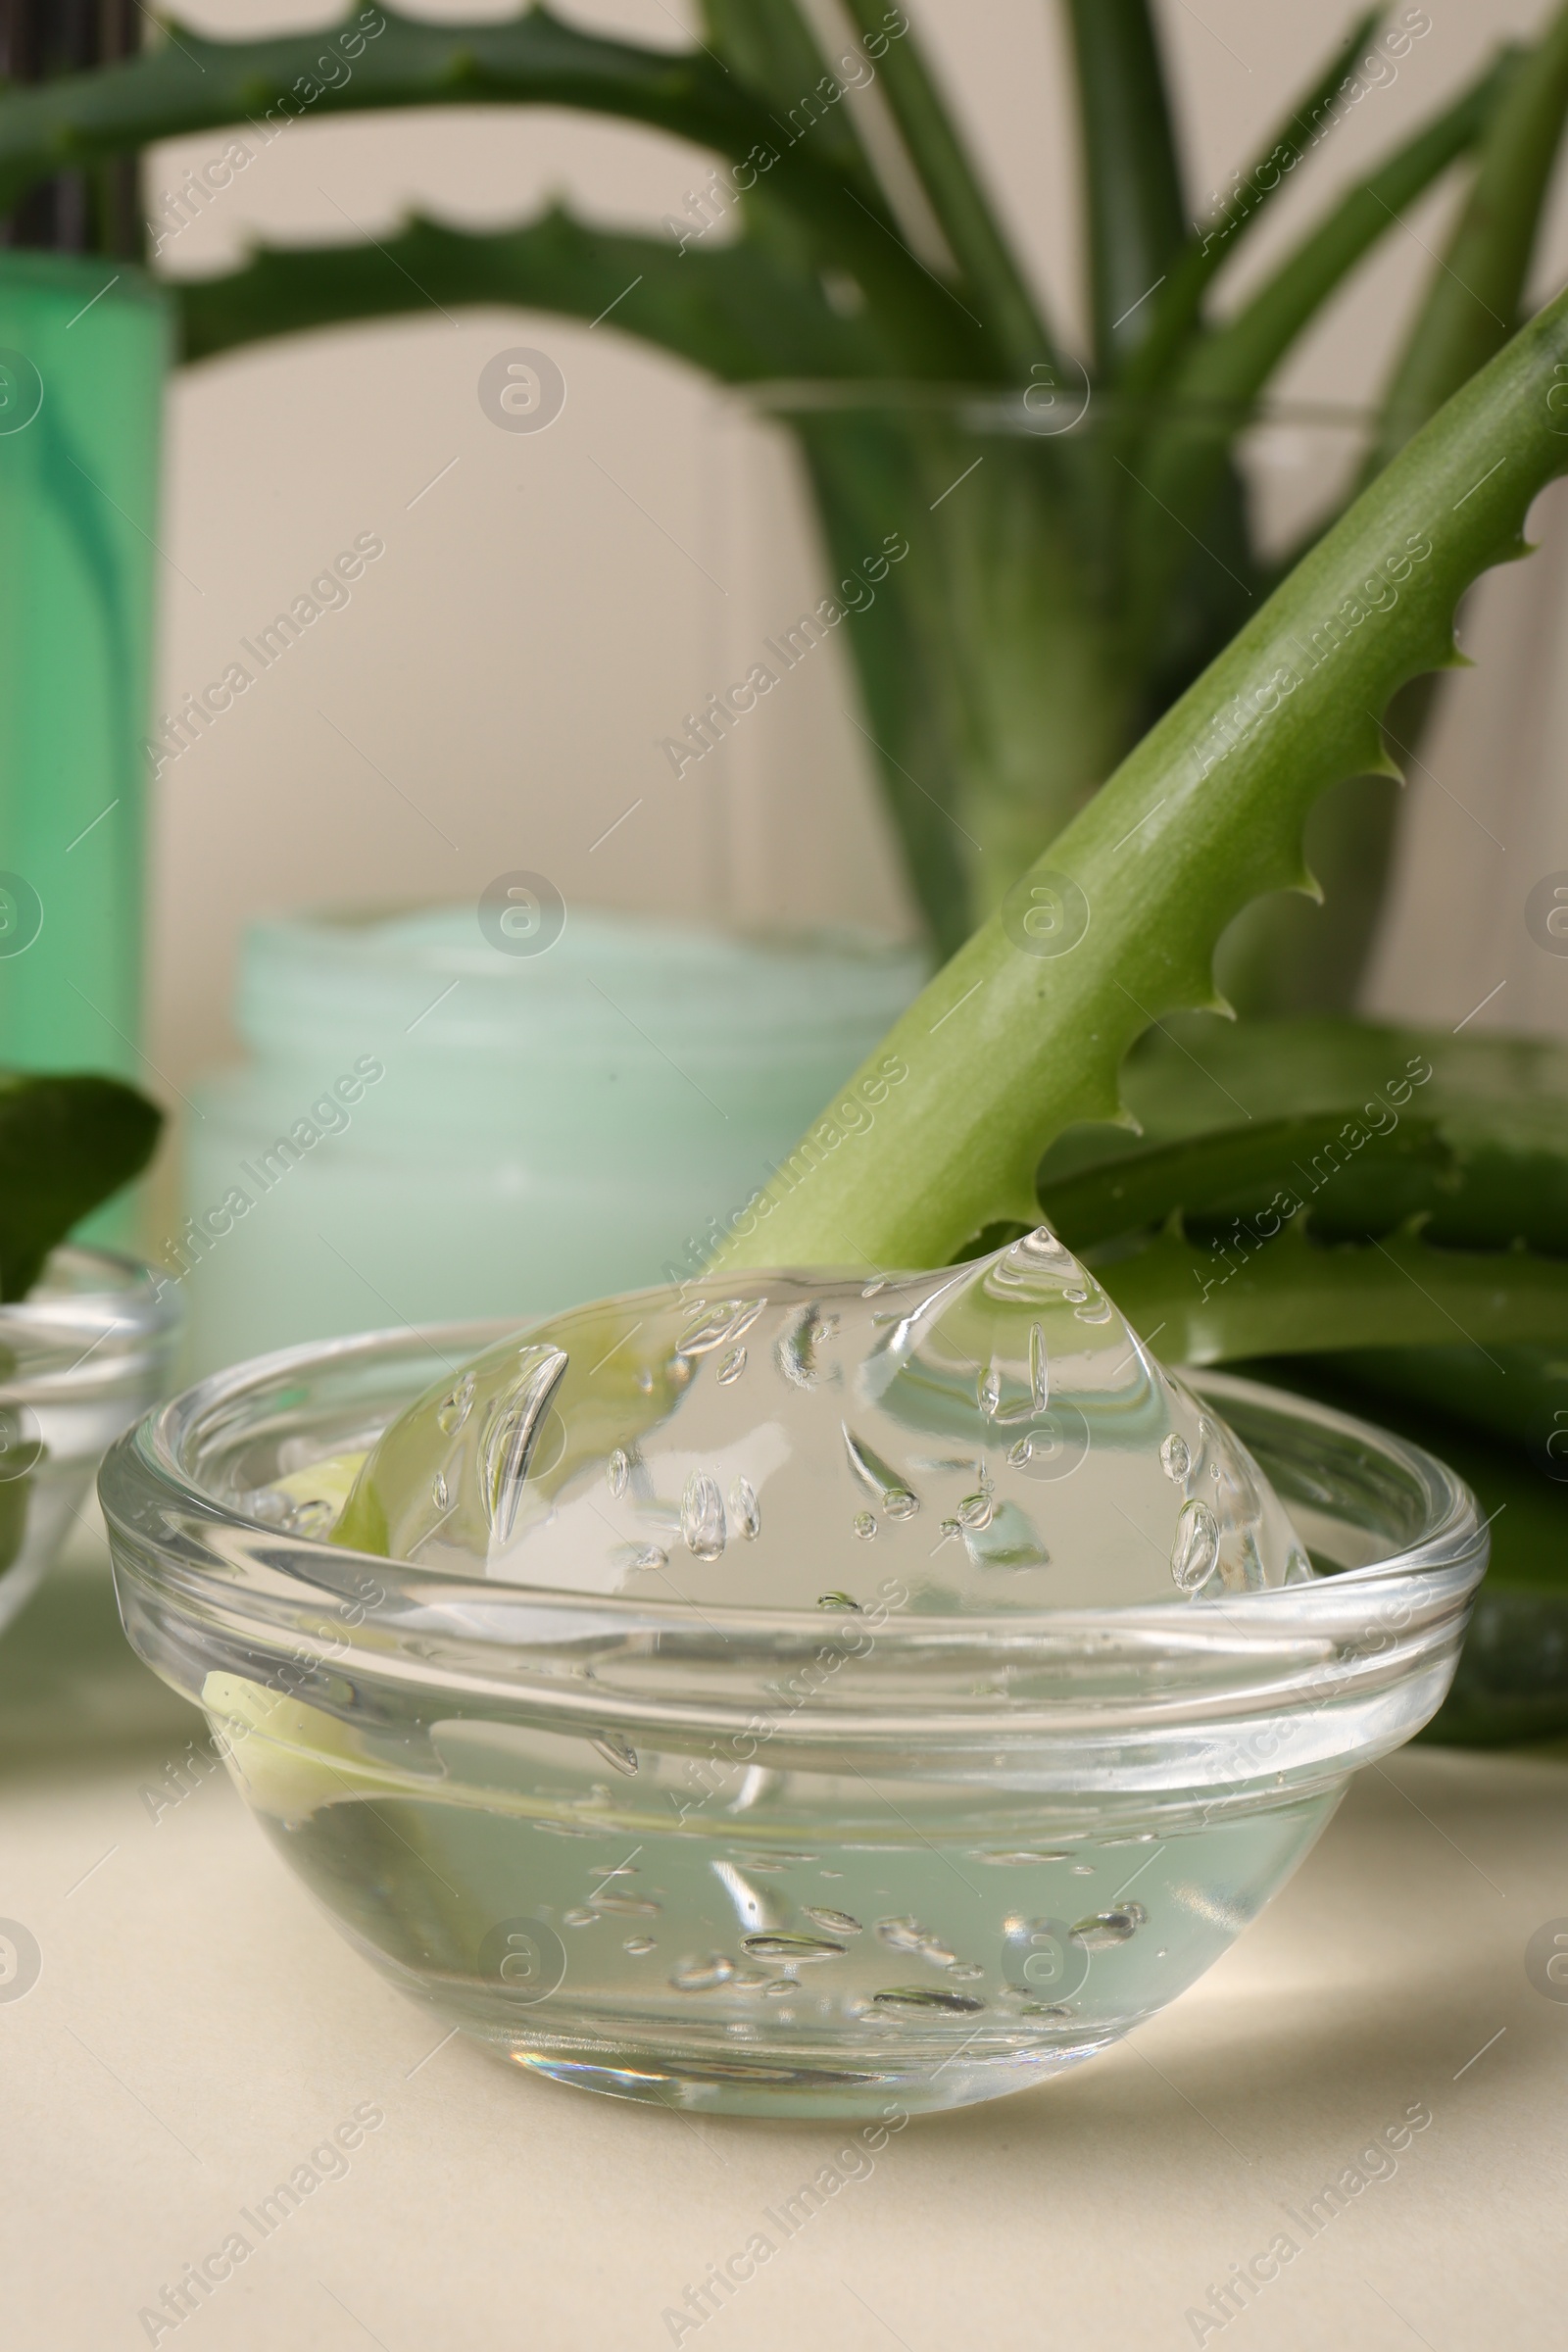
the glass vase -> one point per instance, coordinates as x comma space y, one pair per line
1022, 582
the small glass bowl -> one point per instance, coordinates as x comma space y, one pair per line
773, 1863
81, 1358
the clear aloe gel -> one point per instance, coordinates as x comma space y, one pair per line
993, 1437
636, 1909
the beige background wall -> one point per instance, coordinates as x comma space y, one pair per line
546, 610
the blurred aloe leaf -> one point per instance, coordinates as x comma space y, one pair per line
1136, 215
1478, 283
1174, 310
1470, 308
1234, 361
1512, 1678
772, 49
1515, 1393
67, 1144
728, 309
1225, 368
985, 262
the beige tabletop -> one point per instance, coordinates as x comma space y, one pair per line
1372, 2076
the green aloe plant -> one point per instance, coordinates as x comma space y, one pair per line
1056, 596
1106, 727
67, 1144
1387, 1212
1022, 1034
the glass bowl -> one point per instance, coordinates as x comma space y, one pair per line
773, 1863
81, 1358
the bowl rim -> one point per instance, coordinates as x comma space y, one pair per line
1179, 1695
123, 1276
1451, 1547
55, 1337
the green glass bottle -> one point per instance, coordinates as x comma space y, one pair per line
84, 343
80, 393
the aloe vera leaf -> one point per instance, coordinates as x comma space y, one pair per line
1196, 1074
67, 1144
1290, 957
1515, 1393
989, 270
1209, 1303
1236, 360
1177, 466
774, 52
1131, 177
1529, 1531
942, 1131
190, 82
1353, 1180
1490, 1194
1480, 1151
732, 309
1472, 305
1174, 310
1510, 1683
1292, 954
1481, 1179
1489, 1203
